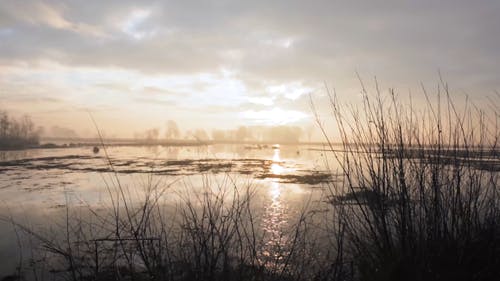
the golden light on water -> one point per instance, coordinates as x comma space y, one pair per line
274, 223
275, 192
275, 210
276, 167
275, 220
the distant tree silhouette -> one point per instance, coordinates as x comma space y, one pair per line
242, 133
218, 135
200, 134
19, 133
152, 134
173, 131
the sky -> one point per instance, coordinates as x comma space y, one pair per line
134, 65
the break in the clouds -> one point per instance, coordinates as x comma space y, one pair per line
210, 64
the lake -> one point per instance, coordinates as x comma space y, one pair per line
37, 185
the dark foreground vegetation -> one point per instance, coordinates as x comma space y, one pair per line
422, 203
16, 134
415, 203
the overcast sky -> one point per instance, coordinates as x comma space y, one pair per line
221, 64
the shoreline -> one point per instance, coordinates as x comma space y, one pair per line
72, 143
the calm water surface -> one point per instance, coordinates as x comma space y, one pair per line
36, 185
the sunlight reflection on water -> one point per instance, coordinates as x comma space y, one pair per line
276, 168
275, 220
37, 183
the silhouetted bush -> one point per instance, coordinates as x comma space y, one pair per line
419, 200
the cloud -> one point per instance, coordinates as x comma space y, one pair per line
267, 101
309, 41
39, 13
155, 101
133, 25
275, 116
238, 56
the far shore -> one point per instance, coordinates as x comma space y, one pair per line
53, 143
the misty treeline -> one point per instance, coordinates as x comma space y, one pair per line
281, 133
17, 132
171, 131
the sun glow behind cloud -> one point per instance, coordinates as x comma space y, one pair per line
275, 116
290, 91
231, 63
218, 98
